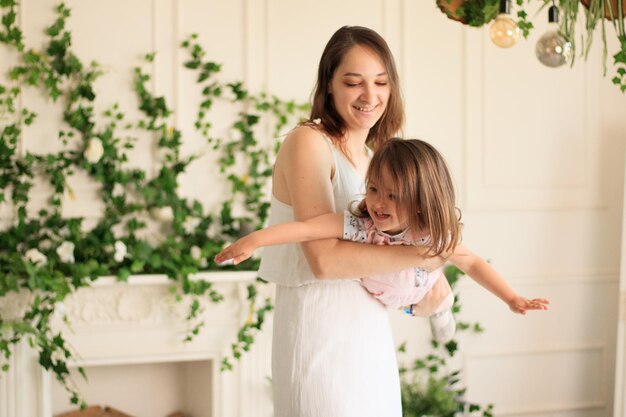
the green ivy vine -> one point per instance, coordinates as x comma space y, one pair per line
48, 256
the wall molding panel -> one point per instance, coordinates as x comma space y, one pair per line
508, 168
256, 44
549, 377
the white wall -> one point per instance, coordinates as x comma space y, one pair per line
537, 154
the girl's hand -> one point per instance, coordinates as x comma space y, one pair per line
521, 305
238, 252
433, 298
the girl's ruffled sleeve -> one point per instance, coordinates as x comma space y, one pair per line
355, 229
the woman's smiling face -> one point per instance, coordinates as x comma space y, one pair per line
360, 88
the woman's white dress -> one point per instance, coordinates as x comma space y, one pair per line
333, 354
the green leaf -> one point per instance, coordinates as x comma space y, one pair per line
123, 274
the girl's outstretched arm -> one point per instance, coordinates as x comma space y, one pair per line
325, 226
483, 273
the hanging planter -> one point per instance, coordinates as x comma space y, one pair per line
449, 7
611, 8
475, 13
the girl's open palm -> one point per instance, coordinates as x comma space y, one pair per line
521, 304
238, 252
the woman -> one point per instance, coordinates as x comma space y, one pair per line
333, 352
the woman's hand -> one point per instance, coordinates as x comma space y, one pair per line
433, 298
435, 262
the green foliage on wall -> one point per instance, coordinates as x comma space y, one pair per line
46, 256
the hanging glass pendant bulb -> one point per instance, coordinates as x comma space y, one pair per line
504, 31
553, 49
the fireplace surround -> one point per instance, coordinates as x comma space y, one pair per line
121, 330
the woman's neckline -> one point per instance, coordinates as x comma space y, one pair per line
348, 161
344, 156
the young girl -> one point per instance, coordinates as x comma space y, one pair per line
409, 200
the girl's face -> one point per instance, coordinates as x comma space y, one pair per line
383, 206
360, 88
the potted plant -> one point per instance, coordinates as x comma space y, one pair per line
430, 391
429, 388
474, 13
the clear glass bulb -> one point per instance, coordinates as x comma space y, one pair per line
553, 49
504, 31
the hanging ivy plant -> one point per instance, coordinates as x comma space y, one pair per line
478, 13
48, 256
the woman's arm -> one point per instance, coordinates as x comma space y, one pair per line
431, 301
483, 273
302, 178
321, 227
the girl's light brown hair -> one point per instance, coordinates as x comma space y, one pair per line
424, 189
323, 107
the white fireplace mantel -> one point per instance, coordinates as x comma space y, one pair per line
139, 322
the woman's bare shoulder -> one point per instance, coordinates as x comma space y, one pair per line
303, 172
303, 146
306, 137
